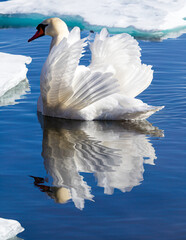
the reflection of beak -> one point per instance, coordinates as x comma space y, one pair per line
38, 34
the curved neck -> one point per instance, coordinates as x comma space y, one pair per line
57, 39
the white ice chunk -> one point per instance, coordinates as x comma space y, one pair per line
12, 71
9, 228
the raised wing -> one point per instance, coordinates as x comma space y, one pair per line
64, 84
120, 54
59, 69
91, 86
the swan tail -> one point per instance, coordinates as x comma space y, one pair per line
141, 115
120, 54
120, 107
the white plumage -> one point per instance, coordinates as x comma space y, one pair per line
106, 89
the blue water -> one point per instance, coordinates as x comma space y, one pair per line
153, 202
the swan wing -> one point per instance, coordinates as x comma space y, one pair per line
91, 86
59, 69
65, 84
120, 54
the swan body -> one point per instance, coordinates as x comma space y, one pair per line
106, 89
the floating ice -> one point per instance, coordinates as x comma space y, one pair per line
146, 15
12, 71
9, 228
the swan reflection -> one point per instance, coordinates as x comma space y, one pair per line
14, 94
113, 151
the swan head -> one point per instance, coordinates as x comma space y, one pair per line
53, 27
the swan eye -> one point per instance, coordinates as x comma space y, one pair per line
41, 26
40, 32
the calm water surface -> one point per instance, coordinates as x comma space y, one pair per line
96, 180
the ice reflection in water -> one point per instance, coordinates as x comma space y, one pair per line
16, 93
113, 151
15, 238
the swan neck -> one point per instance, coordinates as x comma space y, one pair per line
57, 39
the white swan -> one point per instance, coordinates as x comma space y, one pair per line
105, 90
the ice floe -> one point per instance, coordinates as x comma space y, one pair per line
9, 228
12, 71
151, 15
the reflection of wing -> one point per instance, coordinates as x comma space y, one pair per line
113, 151
58, 153
67, 152
133, 146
